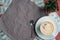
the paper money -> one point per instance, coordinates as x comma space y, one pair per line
4, 36
6, 4
38, 38
2, 10
1, 1
39, 3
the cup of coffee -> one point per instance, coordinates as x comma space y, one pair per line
46, 27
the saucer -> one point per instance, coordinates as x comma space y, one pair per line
43, 19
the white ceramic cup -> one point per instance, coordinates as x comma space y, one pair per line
53, 20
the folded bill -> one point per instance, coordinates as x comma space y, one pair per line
1, 1
2, 10
38, 38
6, 4
4, 36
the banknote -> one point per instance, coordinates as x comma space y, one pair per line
2, 10
1, 1
6, 4
4, 36
38, 38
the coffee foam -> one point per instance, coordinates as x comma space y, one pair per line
47, 28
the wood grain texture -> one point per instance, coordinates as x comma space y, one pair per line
17, 17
